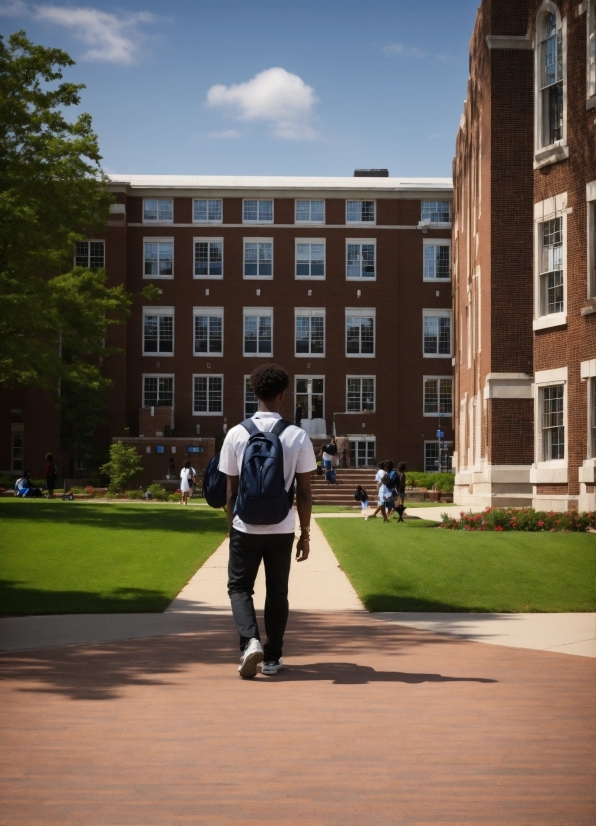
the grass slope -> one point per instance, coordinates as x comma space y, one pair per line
64, 557
424, 569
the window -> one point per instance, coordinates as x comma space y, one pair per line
553, 426
90, 254
360, 332
591, 48
16, 452
551, 80
208, 258
310, 395
159, 259
207, 211
310, 332
258, 212
258, 258
310, 259
258, 332
591, 188
360, 212
361, 259
208, 331
158, 210
592, 417
360, 394
207, 397
310, 212
437, 332
158, 391
436, 212
158, 331
438, 396
551, 266
251, 403
437, 456
363, 452
437, 259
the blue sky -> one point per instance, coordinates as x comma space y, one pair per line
239, 88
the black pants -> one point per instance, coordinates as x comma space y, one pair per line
246, 552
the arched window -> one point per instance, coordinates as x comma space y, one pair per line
551, 80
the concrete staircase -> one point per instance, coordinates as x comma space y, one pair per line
343, 492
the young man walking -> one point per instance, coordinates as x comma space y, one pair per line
251, 542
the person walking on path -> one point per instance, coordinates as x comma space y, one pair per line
401, 491
51, 474
298, 416
380, 492
271, 542
187, 477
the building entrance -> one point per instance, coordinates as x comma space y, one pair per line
362, 452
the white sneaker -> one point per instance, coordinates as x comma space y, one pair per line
271, 667
251, 657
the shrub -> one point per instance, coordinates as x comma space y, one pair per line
520, 519
175, 497
135, 494
124, 464
79, 490
440, 481
158, 492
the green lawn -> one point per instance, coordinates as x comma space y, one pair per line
79, 557
414, 567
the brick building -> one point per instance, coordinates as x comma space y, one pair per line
344, 281
524, 258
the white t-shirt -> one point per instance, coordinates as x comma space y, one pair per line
185, 473
299, 457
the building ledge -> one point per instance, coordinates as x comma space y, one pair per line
589, 309
508, 386
506, 41
551, 154
551, 320
549, 473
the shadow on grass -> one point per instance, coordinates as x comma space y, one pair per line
17, 600
397, 602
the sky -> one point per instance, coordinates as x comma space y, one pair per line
319, 87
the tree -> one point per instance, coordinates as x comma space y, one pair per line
124, 464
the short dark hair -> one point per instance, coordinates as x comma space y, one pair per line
401, 467
49, 457
382, 465
268, 381
187, 464
389, 465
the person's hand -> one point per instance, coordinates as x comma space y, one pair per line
302, 549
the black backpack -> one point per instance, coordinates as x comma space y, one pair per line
262, 495
215, 484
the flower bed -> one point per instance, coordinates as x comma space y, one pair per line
520, 519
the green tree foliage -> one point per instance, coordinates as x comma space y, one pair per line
124, 464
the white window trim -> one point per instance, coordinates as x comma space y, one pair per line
310, 223
310, 376
442, 313
258, 311
322, 241
158, 376
90, 241
307, 312
361, 223
590, 8
156, 221
207, 222
160, 311
436, 415
155, 239
559, 150
361, 278
591, 236
437, 242
21, 435
257, 221
213, 240
246, 241
246, 378
360, 312
359, 412
545, 211
553, 471
208, 311
207, 376
436, 442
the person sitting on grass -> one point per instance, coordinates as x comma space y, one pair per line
25, 488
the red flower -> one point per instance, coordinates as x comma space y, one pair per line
540, 523
499, 528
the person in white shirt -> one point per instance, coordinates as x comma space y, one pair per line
251, 543
187, 474
381, 492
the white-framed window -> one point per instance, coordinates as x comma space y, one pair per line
251, 403
360, 394
257, 211
550, 85
258, 331
436, 338
310, 395
207, 396
208, 258
90, 254
552, 422
360, 332
361, 258
591, 199
158, 390
592, 418
550, 262
258, 258
438, 456
158, 210
360, 212
310, 258
158, 258
208, 331
550, 433
437, 259
309, 339
16, 452
158, 331
591, 53
310, 212
435, 212
363, 451
438, 395
207, 210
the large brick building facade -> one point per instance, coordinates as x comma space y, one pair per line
344, 281
524, 258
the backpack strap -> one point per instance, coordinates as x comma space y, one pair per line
280, 426
249, 425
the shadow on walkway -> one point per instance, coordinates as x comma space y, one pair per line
353, 674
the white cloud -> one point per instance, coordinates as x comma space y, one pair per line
13, 8
399, 48
274, 95
225, 133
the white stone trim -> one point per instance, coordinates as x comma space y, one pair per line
505, 41
558, 375
553, 471
559, 150
555, 207
508, 386
591, 237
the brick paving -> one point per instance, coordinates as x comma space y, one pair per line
371, 723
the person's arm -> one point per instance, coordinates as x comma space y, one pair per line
231, 496
304, 507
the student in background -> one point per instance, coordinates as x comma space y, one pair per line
187, 479
401, 491
380, 492
362, 496
51, 474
